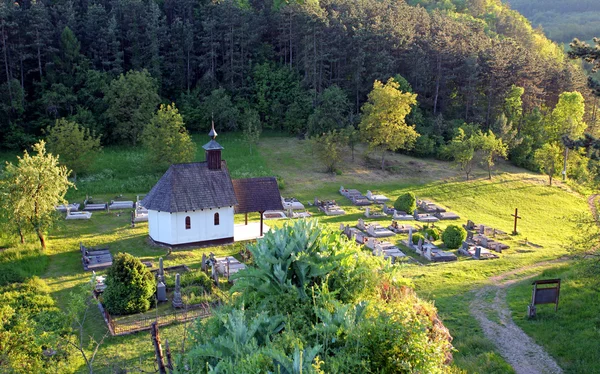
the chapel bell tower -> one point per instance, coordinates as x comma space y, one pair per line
213, 150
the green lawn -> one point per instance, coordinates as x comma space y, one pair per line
545, 211
572, 334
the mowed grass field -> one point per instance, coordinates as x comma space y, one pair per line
545, 211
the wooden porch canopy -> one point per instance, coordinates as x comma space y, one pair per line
257, 195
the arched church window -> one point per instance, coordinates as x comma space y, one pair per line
216, 219
188, 223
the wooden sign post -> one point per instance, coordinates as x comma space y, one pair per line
544, 295
516, 215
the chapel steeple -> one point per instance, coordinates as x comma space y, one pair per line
213, 150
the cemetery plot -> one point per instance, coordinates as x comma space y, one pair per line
402, 229
78, 215
424, 217
429, 207
329, 207
374, 229
378, 199
355, 196
95, 258
91, 205
73, 207
428, 249
429, 210
120, 205
292, 203
370, 214
385, 249
139, 214
476, 252
274, 214
305, 214
397, 215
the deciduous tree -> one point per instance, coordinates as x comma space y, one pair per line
252, 128
329, 148
75, 144
491, 148
166, 139
383, 123
548, 158
32, 188
132, 99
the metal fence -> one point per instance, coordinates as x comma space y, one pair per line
117, 327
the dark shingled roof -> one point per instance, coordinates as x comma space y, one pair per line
257, 195
193, 186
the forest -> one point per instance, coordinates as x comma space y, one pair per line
304, 68
562, 21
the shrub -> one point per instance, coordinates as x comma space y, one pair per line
433, 232
453, 236
406, 203
416, 237
129, 286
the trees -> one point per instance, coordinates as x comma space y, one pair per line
331, 113
383, 124
586, 52
31, 189
329, 148
406, 202
462, 150
74, 143
491, 147
166, 138
548, 159
129, 285
453, 236
131, 99
252, 127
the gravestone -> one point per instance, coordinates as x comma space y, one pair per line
484, 241
161, 292
203, 263
420, 245
177, 300
470, 225
367, 212
410, 242
469, 235
416, 214
465, 246
161, 271
477, 252
482, 229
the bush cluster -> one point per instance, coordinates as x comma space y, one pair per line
406, 202
453, 236
129, 286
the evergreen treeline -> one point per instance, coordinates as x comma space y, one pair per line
300, 67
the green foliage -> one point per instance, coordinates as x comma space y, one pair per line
383, 122
166, 139
453, 236
129, 286
75, 145
330, 148
586, 52
331, 113
567, 117
462, 149
252, 127
406, 202
549, 159
416, 236
30, 324
432, 232
30, 191
491, 147
219, 108
131, 100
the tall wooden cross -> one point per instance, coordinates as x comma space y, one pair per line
516, 215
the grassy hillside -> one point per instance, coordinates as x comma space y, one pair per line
545, 211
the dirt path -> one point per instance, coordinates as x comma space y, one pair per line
591, 203
491, 311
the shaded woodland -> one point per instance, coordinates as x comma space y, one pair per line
291, 64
